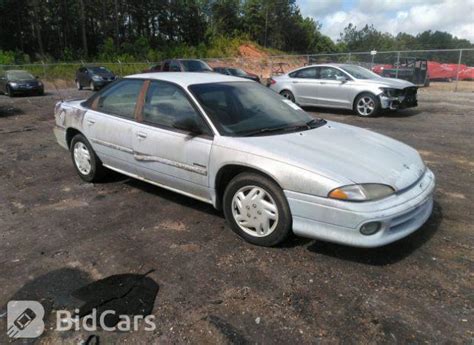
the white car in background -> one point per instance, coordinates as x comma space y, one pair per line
345, 86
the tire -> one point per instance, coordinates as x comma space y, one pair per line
78, 85
87, 164
273, 229
367, 105
288, 95
8, 91
92, 86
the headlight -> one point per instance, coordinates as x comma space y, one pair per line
361, 192
13, 84
96, 78
390, 92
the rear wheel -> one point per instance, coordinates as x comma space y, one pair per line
288, 95
367, 105
87, 164
257, 209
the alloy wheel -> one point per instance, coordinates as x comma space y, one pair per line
365, 106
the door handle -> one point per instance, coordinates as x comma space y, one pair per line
90, 122
323, 82
295, 82
141, 135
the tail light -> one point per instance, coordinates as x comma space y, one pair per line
271, 81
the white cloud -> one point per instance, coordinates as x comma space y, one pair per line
394, 16
319, 8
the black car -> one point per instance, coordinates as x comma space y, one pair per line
93, 77
237, 72
20, 82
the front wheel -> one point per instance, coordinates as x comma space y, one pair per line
367, 105
288, 95
9, 91
257, 209
87, 164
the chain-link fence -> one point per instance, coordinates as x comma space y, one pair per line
446, 69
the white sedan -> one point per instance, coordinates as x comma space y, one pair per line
272, 168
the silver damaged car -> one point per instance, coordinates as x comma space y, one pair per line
345, 86
272, 168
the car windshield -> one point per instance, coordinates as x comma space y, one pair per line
360, 72
195, 66
238, 72
19, 75
99, 70
243, 109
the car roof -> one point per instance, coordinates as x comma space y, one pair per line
185, 79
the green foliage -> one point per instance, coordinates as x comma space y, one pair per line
7, 57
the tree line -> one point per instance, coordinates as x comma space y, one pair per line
70, 30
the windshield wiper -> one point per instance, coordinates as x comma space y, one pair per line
313, 123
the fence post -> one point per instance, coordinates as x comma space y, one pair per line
120, 67
398, 64
44, 69
457, 70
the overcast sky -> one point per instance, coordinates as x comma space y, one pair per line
393, 16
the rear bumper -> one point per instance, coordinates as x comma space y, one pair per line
60, 134
340, 222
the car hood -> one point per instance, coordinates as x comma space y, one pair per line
342, 153
388, 82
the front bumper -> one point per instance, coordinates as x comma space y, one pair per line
339, 221
398, 102
26, 89
101, 83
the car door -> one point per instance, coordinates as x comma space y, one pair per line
165, 152
333, 88
109, 125
303, 83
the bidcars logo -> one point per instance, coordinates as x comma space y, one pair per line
25, 319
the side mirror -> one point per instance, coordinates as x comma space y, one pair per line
341, 78
188, 125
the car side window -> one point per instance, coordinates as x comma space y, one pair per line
166, 66
309, 73
121, 98
174, 66
167, 105
330, 73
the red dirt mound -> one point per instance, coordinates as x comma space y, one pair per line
249, 50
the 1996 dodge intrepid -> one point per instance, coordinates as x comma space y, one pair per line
239, 146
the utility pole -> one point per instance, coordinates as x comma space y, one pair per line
266, 26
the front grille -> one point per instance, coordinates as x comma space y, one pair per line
404, 220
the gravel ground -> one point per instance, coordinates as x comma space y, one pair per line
59, 234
